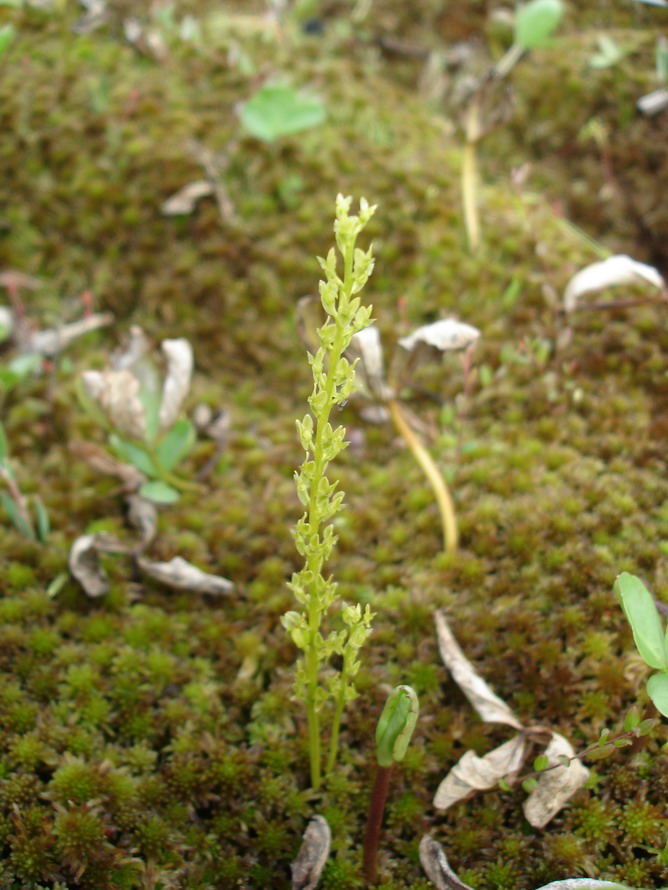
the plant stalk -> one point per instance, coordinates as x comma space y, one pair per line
431, 471
470, 175
336, 723
374, 823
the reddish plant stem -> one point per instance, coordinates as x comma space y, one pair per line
374, 822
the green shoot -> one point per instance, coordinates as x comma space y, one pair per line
333, 383
648, 634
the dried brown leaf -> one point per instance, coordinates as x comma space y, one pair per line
555, 786
184, 201
182, 575
489, 706
472, 773
103, 462
313, 853
437, 868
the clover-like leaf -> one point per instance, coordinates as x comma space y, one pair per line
278, 110
535, 22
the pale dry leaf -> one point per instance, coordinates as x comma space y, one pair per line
131, 352
472, 773
616, 270
437, 868
179, 356
103, 462
577, 883
6, 322
489, 706
312, 856
143, 515
54, 340
555, 786
184, 201
117, 393
183, 575
84, 565
654, 102
365, 346
444, 335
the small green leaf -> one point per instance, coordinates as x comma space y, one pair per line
278, 110
657, 689
564, 760
159, 492
646, 726
529, 784
535, 22
43, 527
643, 616
7, 34
4, 445
601, 753
133, 454
632, 719
15, 515
176, 444
57, 584
503, 785
622, 743
540, 763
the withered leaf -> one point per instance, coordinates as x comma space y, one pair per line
103, 462
443, 335
117, 392
555, 786
52, 341
184, 201
183, 575
143, 515
489, 706
313, 853
179, 356
616, 270
472, 773
437, 868
84, 565
366, 347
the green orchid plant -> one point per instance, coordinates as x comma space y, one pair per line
141, 412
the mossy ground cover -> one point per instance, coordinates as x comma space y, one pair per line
148, 739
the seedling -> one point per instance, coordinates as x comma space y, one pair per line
651, 641
17, 506
393, 734
142, 417
535, 22
277, 110
333, 383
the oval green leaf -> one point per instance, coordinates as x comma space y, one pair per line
159, 492
535, 22
133, 454
176, 444
278, 110
657, 689
643, 616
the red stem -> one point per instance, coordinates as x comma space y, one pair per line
374, 822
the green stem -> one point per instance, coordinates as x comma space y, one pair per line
431, 471
508, 61
314, 607
336, 723
166, 475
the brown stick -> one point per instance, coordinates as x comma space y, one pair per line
374, 823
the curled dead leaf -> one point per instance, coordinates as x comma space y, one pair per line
143, 515
179, 356
180, 574
367, 349
53, 340
184, 201
555, 786
437, 868
84, 565
103, 462
312, 856
472, 773
616, 270
489, 706
444, 335
117, 393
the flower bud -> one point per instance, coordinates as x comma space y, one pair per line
396, 725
